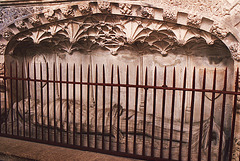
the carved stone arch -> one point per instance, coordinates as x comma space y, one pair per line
44, 16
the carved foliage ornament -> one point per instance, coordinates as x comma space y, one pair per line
235, 50
104, 6
84, 8
219, 31
170, 15
147, 12
194, 20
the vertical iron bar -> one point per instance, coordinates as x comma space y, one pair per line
135, 119
67, 92
35, 98
144, 114
211, 118
163, 111
96, 106
17, 99
154, 111
111, 104
48, 120
191, 117
61, 121
5, 96
127, 108
1, 113
118, 115
11, 91
88, 93
172, 115
234, 115
29, 96
41, 77
222, 117
103, 123
182, 114
23, 93
201, 117
54, 102
81, 130
74, 106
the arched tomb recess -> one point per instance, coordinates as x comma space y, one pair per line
124, 34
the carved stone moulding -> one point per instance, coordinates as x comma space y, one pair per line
111, 32
48, 15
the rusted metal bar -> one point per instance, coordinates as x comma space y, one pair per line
88, 93
211, 117
29, 96
201, 117
74, 106
111, 104
5, 97
191, 118
182, 114
1, 112
135, 119
17, 99
118, 115
127, 108
172, 115
81, 106
132, 86
234, 115
163, 112
11, 95
222, 117
48, 120
154, 112
35, 99
96, 106
23, 96
61, 121
144, 113
54, 102
103, 119
41, 100
67, 92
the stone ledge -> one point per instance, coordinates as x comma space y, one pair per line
42, 152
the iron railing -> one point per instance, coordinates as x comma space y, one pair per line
135, 119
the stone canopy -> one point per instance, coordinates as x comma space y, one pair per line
159, 26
